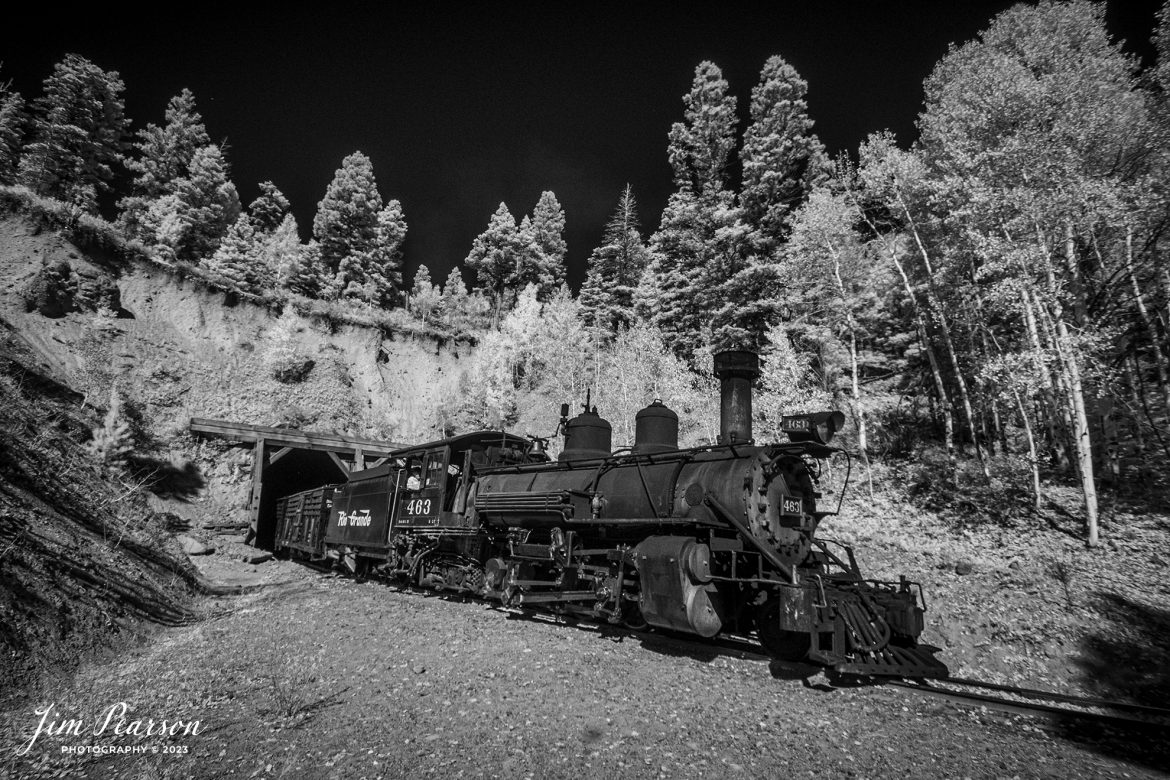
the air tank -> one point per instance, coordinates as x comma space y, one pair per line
655, 429
587, 436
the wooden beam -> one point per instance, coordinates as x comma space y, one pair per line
279, 454
257, 488
291, 437
359, 459
376, 463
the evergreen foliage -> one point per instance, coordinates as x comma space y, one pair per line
310, 276
359, 240
113, 442
700, 146
548, 236
782, 158
270, 208
614, 268
459, 311
782, 162
78, 134
494, 258
280, 253
163, 159
235, 264
424, 296
13, 125
285, 357
679, 291
188, 223
386, 272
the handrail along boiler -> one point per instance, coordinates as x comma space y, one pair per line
707, 540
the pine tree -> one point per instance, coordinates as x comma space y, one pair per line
424, 296
493, 258
311, 277
113, 443
454, 290
189, 223
269, 209
281, 254
386, 271
164, 157
78, 134
459, 311
701, 145
782, 158
452, 299
359, 240
528, 262
677, 287
782, 161
548, 232
236, 263
680, 290
614, 268
13, 124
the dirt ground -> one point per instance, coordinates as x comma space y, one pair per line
317, 675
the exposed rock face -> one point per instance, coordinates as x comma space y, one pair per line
177, 349
181, 350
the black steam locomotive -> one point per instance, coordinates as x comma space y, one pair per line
707, 541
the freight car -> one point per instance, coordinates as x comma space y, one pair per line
705, 541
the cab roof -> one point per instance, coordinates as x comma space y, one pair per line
467, 441
460, 443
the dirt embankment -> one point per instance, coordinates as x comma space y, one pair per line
86, 552
179, 349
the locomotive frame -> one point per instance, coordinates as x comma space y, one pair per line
705, 541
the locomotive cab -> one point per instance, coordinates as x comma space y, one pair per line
438, 476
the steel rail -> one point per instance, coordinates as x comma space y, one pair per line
1123, 722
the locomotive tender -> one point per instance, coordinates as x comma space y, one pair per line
707, 541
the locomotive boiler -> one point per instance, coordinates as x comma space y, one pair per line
707, 541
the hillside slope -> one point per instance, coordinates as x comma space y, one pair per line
176, 349
83, 559
86, 553
182, 349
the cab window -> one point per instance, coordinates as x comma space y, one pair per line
412, 467
436, 463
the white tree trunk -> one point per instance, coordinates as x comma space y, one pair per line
936, 312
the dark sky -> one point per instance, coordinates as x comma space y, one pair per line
460, 108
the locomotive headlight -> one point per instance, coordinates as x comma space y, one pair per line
818, 426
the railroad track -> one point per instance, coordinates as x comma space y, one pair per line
1054, 707
1059, 707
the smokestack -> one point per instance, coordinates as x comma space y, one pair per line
736, 370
